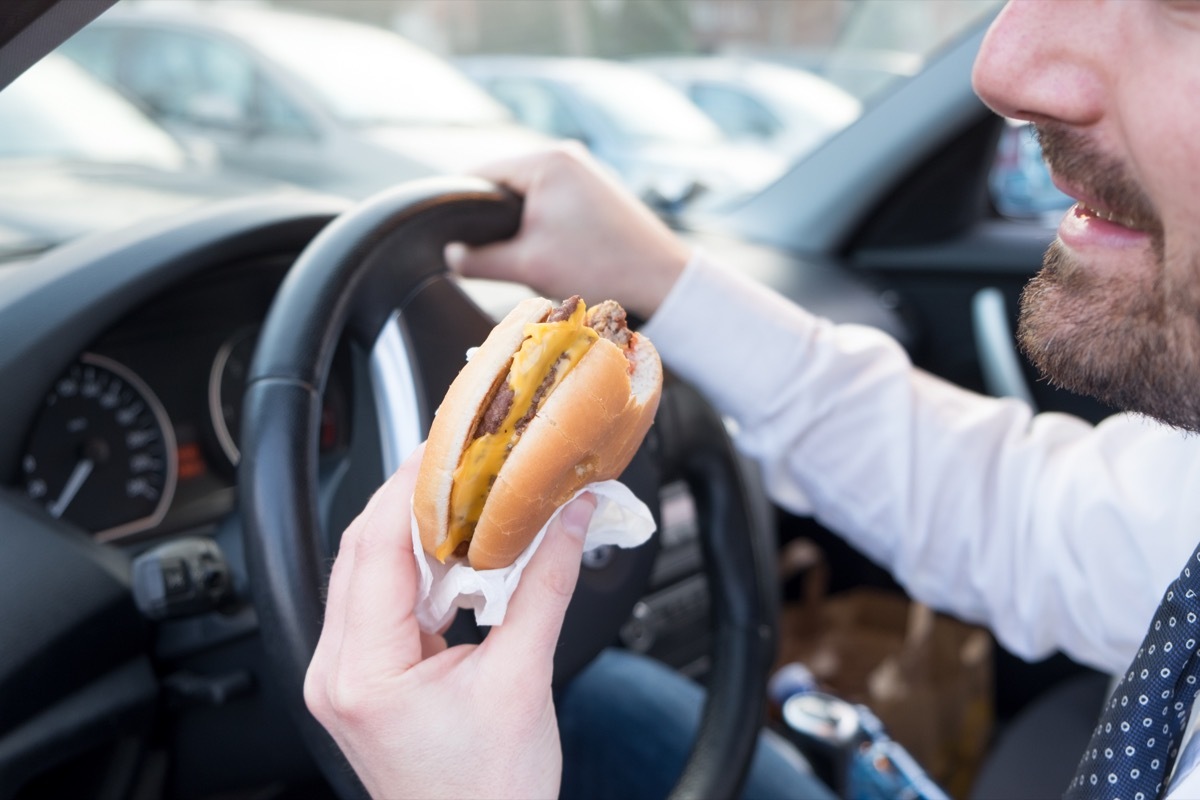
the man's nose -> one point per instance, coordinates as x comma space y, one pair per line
1041, 60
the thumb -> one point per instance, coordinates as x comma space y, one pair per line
497, 261
535, 613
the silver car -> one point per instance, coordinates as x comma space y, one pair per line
333, 105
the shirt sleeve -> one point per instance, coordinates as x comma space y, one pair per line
1055, 533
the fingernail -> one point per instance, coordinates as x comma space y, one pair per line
578, 514
454, 254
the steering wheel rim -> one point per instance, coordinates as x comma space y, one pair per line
347, 281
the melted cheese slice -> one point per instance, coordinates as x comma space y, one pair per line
545, 344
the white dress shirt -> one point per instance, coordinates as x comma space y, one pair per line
1052, 532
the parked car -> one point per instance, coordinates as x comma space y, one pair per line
156, 630
786, 109
663, 146
324, 103
78, 157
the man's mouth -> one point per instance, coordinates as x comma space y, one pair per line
1084, 210
1089, 224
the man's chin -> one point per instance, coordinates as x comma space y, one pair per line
1114, 340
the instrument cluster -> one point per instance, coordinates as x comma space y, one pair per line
140, 434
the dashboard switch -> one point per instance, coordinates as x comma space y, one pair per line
182, 577
176, 583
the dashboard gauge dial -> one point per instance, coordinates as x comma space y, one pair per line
227, 389
102, 453
227, 386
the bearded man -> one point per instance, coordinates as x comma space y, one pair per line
1057, 534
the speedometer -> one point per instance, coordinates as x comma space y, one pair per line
102, 453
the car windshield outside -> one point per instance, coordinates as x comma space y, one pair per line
849, 53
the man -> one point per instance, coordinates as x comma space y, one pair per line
1057, 534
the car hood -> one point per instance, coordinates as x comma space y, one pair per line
457, 148
44, 203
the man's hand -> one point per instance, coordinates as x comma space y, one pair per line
414, 718
582, 233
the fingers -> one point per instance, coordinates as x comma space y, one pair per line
499, 261
520, 174
535, 613
330, 641
379, 627
547, 180
432, 644
374, 572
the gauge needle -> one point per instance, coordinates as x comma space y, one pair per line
78, 475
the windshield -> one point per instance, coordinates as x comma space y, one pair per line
350, 97
367, 76
56, 111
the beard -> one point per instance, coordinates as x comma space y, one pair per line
1130, 338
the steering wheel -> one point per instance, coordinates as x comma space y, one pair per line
377, 273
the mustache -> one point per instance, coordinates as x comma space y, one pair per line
1075, 159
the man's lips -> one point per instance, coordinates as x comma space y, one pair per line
1089, 224
1083, 210
1089, 206
1084, 228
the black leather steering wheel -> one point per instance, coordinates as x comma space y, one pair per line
377, 273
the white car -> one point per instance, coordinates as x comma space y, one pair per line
786, 109
78, 157
321, 102
664, 147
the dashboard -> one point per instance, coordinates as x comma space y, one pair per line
138, 436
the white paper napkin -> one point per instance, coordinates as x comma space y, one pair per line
620, 519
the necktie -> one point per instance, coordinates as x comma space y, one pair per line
1135, 745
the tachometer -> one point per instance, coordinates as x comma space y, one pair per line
102, 453
227, 387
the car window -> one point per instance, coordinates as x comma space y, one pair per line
738, 114
278, 115
641, 106
190, 78
536, 105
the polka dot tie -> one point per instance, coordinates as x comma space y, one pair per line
1134, 747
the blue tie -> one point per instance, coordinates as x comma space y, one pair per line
1135, 745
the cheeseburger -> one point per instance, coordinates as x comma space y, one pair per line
554, 399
